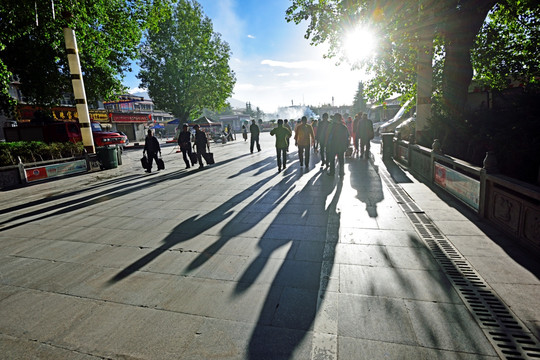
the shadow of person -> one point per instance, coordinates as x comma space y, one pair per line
234, 227
366, 180
261, 166
290, 305
191, 228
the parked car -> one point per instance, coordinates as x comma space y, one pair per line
402, 115
405, 131
126, 140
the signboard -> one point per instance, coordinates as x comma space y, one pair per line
461, 186
130, 118
54, 170
59, 113
101, 116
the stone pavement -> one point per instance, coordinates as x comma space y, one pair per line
238, 261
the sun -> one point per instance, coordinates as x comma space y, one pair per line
359, 44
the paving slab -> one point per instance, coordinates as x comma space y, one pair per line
239, 261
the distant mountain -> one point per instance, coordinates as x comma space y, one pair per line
237, 104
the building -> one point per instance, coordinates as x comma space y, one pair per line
133, 115
236, 121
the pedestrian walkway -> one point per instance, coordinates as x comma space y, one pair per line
238, 261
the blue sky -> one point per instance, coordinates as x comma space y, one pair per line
273, 63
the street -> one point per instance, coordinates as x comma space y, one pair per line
238, 261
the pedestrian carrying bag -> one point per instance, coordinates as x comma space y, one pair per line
209, 158
144, 162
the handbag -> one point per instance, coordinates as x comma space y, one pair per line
160, 164
144, 162
193, 158
209, 158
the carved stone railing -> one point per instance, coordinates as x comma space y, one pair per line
511, 205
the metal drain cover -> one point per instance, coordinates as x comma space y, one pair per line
508, 335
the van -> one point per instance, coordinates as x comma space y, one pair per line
403, 114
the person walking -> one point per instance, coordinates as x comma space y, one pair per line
282, 141
321, 138
201, 143
287, 126
304, 137
366, 133
152, 148
184, 141
356, 132
244, 132
337, 141
315, 126
255, 132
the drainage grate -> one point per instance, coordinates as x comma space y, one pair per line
510, 338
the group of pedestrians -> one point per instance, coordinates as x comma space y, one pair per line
331, 138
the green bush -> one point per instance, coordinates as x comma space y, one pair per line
34, 151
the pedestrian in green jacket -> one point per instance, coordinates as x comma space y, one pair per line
282, 142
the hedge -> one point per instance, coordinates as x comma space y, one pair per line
34, 151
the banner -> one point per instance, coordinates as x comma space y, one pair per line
55, 170
461, 186
130, 118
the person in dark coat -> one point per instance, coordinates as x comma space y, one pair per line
321, 138
152, 148
366, 133
255, 132
184, 141
337, 142
201, 143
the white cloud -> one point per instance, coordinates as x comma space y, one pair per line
137, 90
251, 36
305, 64
283, 74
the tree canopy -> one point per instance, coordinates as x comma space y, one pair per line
185, 64
457, 27
32, 45
360, 101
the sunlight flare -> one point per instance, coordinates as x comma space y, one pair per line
359, 44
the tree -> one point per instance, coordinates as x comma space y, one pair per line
185, 64
400, 25
360, 102
32, 45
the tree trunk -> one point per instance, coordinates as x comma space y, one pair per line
461, 30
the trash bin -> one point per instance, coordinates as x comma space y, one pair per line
108, 156
387, 145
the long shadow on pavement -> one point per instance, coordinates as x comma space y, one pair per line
290, 306
239, 224
191, 228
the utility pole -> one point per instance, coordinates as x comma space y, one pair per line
78, 87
